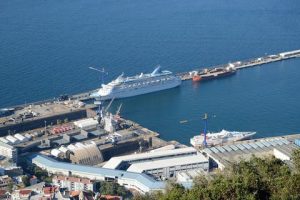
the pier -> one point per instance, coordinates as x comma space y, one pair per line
246, 63
238, 65
75, 100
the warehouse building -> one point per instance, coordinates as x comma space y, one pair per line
123, 162
86, 154
223, 156
86, 123
137, 181
169, 167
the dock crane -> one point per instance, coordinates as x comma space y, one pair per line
99, 103
102, 71
117, 115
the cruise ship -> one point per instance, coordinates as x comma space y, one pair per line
213, 139
123, 87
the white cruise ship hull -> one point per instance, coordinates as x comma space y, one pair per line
139, 90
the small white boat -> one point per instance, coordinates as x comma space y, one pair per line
221, 137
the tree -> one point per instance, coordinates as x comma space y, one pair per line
296, 159
25, 180
10, 186
113, 189
258, 178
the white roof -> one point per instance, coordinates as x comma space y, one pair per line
115, 161
63, 149
12, 139
2, 144
55, 152
4, 140
167, 147
86, 122
169, 162
20, 137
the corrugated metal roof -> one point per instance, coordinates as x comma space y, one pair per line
253, 145
233, 147
285, 141
260, 144
207, 150
227, 148
169, 162
213, 149
247, 146
273, 143
278, 142
241, 147
221, 149
267, 144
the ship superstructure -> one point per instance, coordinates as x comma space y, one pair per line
136, 85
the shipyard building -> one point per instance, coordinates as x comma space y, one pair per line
162, 164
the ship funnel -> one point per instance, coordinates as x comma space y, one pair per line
157, 70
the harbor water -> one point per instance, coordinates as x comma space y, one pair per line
46, 48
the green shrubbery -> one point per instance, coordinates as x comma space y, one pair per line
258, 178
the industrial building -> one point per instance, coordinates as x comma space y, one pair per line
137, 181
169, 167
74, 183
285, 153
161, 164
184, 177
123, 162
79, 153
224, 156
86, 123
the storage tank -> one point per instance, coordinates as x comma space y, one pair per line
12, 139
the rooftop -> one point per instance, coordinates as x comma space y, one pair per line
2, 144
168, 162
114, 162
245, 149
50, 163
73, 179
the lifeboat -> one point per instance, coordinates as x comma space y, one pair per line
196, 78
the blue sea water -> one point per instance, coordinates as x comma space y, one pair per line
47, 46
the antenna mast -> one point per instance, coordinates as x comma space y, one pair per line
205, 129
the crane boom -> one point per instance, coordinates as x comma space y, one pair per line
108, 106
119, 109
